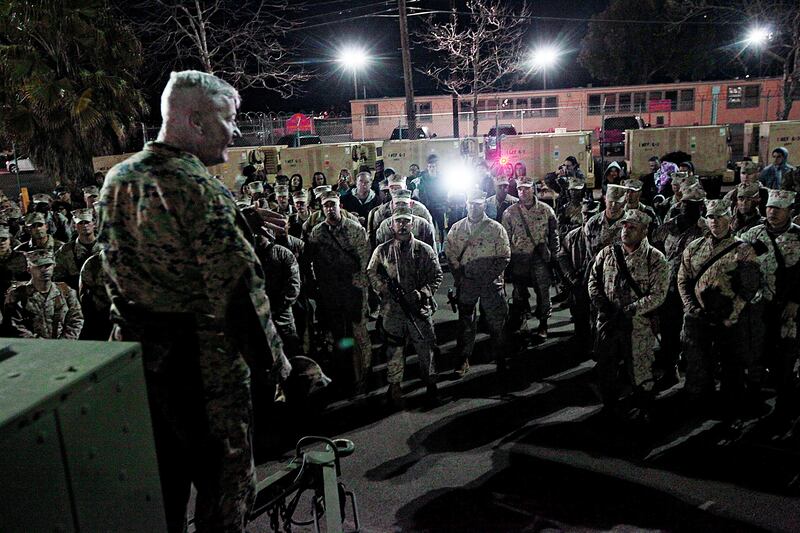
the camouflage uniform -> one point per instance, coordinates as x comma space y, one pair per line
283, 288
338, 255
186, 283
94, 300
600, 232
70, 258
624, 332
779, 256
421, 228
54, 314
495, 208
50, 243
318, 217
721, 293
383, 212
530, 256
478, 253
741, 222
416, 268
13, 266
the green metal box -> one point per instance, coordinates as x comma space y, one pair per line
76, 441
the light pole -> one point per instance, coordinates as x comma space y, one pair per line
543, 58
758, 37
353, 58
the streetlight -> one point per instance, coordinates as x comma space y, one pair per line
758, 36
353, 58
543, 58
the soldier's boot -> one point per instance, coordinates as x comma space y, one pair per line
394, 396
463, 368
541, 331
516, 316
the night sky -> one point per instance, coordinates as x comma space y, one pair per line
333, 88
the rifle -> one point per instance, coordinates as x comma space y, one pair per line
399, 295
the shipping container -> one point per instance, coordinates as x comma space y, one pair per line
227, 172
104, 163
707, 146
542, 153
400, 154
773, 135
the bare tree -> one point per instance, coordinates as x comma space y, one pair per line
240, 42
479, 56
781, 18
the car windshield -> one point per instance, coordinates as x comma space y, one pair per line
622, 123
504, 130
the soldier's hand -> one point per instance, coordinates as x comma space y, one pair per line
416, 297
789, 312
273, 220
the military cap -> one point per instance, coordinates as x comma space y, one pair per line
42, 199
40, 258
83, 215
744, 190
91, 191
574, 183
749, 167
476, 196
34, 218
255, 187
321, 189
682, 178
12, 212
5, 232
616, 193
636, 216
633, 184
59, 190
524, 181
396, 179
501, 179
402, 211
718, 208
281, 190
384, 185
328, 196
780, 198
300, 196
401, 195
589, 206
692, 193
388, 171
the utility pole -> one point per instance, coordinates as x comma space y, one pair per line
411, 112
454, 20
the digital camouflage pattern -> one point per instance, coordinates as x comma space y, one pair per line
495, 208
181, 269
416, 268
542, 222
648, 268
70, 259
55, 314
478, 254
420, 228
600, 231
383, 212
776, 283
94, 299
51, 243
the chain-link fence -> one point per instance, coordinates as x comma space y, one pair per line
606, 112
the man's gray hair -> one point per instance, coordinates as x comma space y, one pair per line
194, 81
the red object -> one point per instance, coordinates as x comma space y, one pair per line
659, 106
299, 122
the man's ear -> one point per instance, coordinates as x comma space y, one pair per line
196, 122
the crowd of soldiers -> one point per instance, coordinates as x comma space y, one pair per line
657, 277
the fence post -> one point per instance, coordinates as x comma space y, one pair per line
580, 112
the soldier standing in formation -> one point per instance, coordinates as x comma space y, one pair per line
414, 268
532, 231
478, 252
337, 254
496, 205
627, 283
421, 228
42, 308
717, 279
747, 204
40, 239
72, 255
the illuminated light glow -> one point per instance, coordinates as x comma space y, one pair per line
758, 36
458, 177
545, 56
353, 57
503, 160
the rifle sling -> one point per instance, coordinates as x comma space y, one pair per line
712, 260
622, 266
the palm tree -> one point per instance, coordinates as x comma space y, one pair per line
68, 91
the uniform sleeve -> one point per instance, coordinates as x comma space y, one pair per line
450, 246
685, 281
16, 316
658, 282
594, 284
502, 254
361, 246
564, 255
73, 322
381, 235
432, 277
60, 272
748, 279
507, 223
291, 289
552, 236
375, 280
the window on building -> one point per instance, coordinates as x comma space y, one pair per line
424, 112
672, 96
624, 103
594, 103
507, 106
655, 95
536, 107
660, 120
686, 100
551, 106
741, 96
609, 103
522, 107
639, 102
465, 106
371, 114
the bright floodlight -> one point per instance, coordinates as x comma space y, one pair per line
353, 57
545, 56
758, 36
459, 177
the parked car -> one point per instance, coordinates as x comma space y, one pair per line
295, 141
502, 129
490, 139
403, 133
612, 138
